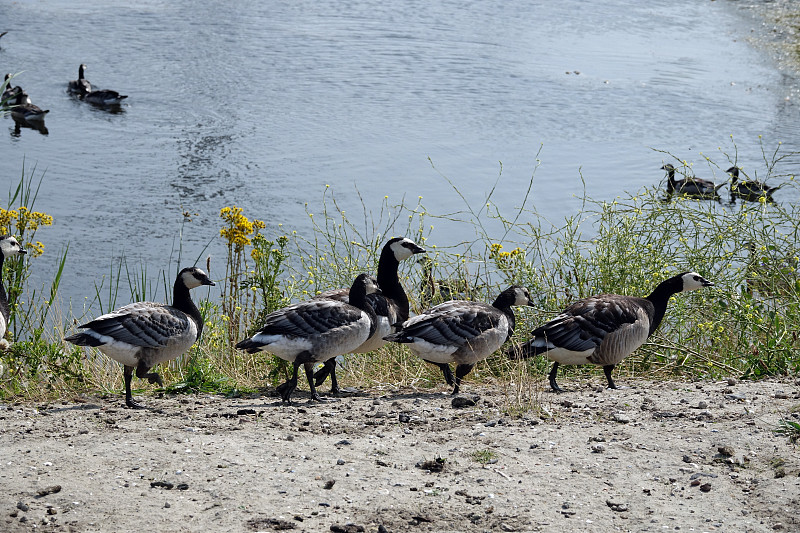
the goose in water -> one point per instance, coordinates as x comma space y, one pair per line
690, 186
9, 247
81, 86
605, 329
143, 334
104, 97
10, 93
750, 190
316, 331
25, 111
390, 306
461, 332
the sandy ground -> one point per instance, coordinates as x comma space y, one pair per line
659, 456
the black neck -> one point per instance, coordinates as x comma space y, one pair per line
182, 301
4, 309
660, 298
358, 298
503, 303
671, 178
389, 282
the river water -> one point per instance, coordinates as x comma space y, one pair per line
263, 104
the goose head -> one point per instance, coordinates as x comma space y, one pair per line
363, 285
192, 277
691, 281
9, 246
403, 248
734, 172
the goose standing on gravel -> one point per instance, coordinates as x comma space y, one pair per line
750, 190
390, 306
461, 332
9, 247
143, 334
81, 86
316, 331
690, 186
604, 329
25, 111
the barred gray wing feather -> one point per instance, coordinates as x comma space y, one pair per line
310, 318
586, 323
145, 324
452, 323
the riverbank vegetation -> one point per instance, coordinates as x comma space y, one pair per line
747, 326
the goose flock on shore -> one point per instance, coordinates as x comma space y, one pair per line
600, 330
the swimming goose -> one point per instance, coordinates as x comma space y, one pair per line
81, 86
10, 93
750, 190
391, 305
104, 97
461, 332
315, 331
143, 334
690, 186
9, 247
604, 329
25, 111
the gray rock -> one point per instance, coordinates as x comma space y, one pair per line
622, 418
462, 401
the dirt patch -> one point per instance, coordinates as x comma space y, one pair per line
655, 457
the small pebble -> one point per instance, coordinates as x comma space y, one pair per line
705, 487
732, 381
22, 506
727, 451
340, 462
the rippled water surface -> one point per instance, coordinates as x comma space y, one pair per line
261, 104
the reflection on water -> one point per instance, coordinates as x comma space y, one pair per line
20, 123
264, 105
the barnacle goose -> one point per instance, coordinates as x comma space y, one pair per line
690, 186
461, 332
104, 97
81, 86
143, 334
391, 305
10, 93
315, 331
9, 246
750, 190
26, 111
604, 329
